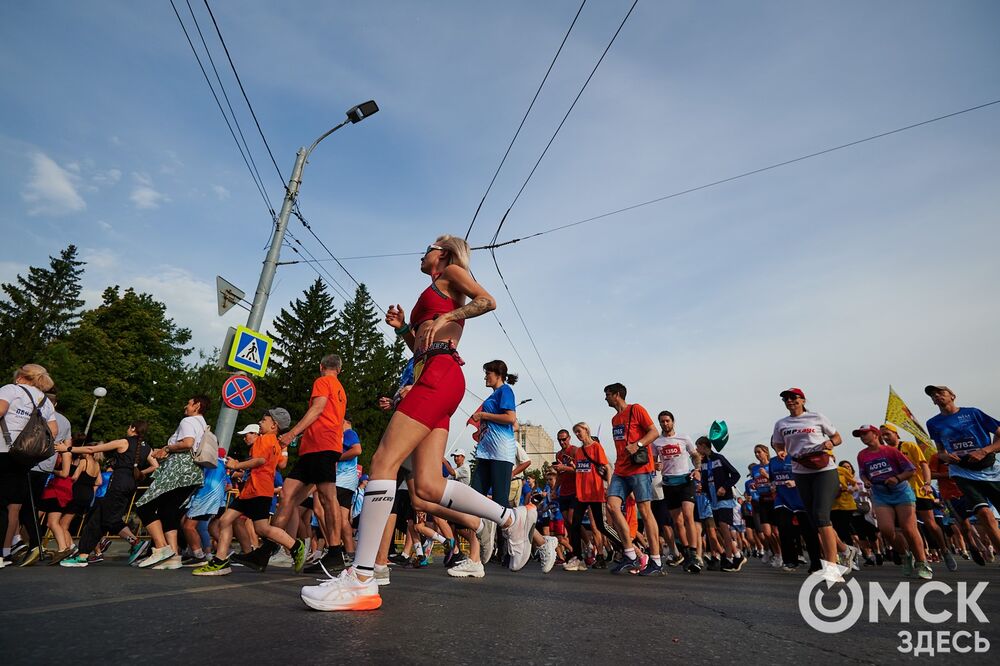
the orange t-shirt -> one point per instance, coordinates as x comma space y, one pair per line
261, 481
327, 432
947, 489
589, 482
638, 425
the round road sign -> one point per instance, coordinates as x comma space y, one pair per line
238, 392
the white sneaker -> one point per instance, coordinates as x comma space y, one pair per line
487, 534
776, 562
547, 553
575, 564
518, 536
281, 559
382, 574
345, 592
175, 562
467, 569
156, 556
852, 558
4, 562
766, 557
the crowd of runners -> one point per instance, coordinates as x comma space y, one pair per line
668, 501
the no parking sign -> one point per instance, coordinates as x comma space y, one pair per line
238, 392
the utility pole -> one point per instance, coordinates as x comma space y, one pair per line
225, 426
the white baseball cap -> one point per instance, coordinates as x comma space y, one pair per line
459, 452
252, 428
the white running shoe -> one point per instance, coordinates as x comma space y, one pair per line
776, 562
156, 556
382, 574
850, 557
575, 564
281, 559
487, 534
467, 569
766, 557
518, 536
547, 553
175, 562
345, 592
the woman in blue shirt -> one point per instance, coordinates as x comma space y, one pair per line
495, 454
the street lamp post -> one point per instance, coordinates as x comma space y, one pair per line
99, 393
227, 417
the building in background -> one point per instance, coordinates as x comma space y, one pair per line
539, 445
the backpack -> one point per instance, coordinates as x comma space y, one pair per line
35, 443
205, 452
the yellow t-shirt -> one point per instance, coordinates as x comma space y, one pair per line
845, 500
916, 456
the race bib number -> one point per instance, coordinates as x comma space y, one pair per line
618, 432
964, 446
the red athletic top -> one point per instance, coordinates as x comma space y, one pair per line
431, 304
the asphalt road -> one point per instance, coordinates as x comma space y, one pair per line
109, 612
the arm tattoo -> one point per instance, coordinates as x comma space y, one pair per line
480, 305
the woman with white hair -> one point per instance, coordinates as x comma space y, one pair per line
18, 400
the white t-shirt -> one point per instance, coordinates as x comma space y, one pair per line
19, 410
190, 426
804, 434
520, 456
63, 432
463, 473
675, 454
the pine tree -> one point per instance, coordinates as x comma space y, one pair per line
304, 333
129, 346
371, 368
39, 308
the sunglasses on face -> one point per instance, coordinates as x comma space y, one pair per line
431, 248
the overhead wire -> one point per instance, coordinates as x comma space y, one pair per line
496, 263
518, 131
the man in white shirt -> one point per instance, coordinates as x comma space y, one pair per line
461, 470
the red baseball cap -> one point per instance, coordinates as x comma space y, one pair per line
866, 428
792, 391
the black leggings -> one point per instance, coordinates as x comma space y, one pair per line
107, 517
576, 531
36, 484
789, 533
167, 508
843, 524
818, 492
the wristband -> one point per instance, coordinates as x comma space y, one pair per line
402, 330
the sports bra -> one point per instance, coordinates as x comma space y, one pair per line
431, 305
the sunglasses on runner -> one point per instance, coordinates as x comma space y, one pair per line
431, 248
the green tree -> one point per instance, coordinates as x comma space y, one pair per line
129, 346
304, 333
39, 308
371, 368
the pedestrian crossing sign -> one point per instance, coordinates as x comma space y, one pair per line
250, 351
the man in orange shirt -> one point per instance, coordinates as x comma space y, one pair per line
633, 430
322, 430
254, 501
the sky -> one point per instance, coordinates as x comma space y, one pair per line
841, 274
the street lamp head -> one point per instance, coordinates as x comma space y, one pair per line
100, 392
362, 111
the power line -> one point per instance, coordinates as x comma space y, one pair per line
563, 121
258, 184
530, 106
531, 339
225, 96
745, 174
243, 90
525, 366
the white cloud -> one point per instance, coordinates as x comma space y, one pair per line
109, 177
190, 302
221, 192
144, 195
101, 259
105, 226
51, 190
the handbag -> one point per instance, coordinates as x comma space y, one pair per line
35, 442
640, 457
601, 469
814, 460
205, 451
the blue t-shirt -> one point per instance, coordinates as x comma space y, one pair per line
751, 489
781, 471
496, 440
347, 470
961, 433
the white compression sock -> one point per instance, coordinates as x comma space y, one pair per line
461, 497
438, 538
379, 497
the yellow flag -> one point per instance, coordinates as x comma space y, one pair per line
897, 412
